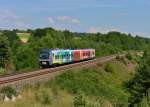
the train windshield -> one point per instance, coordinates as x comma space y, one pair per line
44, 55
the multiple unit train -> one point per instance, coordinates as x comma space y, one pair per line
62, 56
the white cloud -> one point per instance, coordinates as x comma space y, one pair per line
106, 30
50, 20
9, 19
68, 20
75, 21
101, 30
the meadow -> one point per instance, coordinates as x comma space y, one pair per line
24, 37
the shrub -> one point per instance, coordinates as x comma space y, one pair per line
8, 91
43, 97
143, 103
2, 71
129, 56
109, 68
79, 100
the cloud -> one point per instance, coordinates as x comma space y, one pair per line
106, 30
8, 19
68, 20
50, 20
101, 30
63, 22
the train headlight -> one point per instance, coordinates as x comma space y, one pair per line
44, 63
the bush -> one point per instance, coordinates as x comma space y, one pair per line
129, 56
43, 97
139, 86
2, 71
8, 91
4, 51
143, 103
109, 68
79, 100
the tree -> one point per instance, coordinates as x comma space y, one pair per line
4, 50
140, 84
11, 36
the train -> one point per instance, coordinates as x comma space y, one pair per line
54, 57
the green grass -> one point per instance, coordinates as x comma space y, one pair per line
3, 71
99, 88
97, 82
24, 36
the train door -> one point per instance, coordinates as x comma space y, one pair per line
76, 55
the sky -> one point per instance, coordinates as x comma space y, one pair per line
128, 16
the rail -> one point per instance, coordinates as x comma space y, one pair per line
25, 76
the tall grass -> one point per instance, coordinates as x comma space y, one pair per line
92, 87
97, 82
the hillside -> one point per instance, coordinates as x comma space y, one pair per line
99, 86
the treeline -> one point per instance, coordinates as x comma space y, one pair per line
17, 56
9, 42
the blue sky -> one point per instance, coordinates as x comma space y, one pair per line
129, 16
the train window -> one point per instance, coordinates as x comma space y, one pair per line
83, 54
77, 56
57, 57
64, 56
72, 55
68, 56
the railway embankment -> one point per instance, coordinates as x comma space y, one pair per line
98, 84
19, 80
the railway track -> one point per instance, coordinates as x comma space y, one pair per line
26, 76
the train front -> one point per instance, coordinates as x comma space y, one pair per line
45, 58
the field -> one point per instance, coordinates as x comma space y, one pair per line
99, 86
24, 37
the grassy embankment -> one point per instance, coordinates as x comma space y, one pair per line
100, 86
